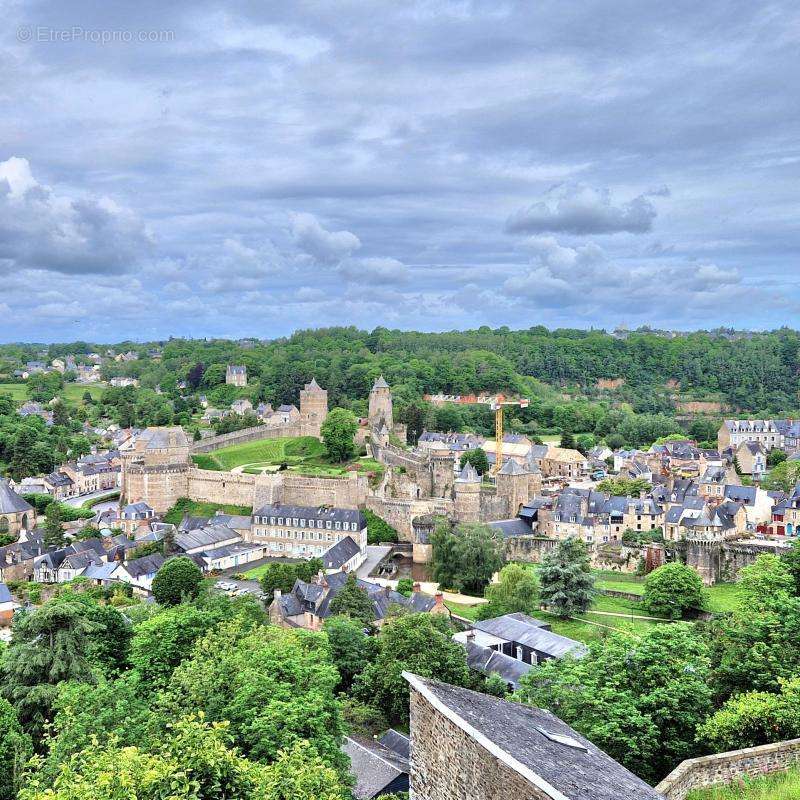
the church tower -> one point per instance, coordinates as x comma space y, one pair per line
313, 408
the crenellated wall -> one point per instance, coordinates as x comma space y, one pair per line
253, 434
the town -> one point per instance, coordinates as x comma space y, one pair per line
519, 561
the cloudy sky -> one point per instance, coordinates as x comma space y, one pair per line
250, 168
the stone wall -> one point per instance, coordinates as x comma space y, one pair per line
449, 764
528, 548
349, 491
159, 487
400, 513
253, 434
227, 488
723, 768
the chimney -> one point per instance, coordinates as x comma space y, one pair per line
438, 603
471, 635
417, 587
277, 595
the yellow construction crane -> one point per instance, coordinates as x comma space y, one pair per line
497, 405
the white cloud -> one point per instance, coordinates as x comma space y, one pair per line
581, 210
375, 270
41, 229
327, 247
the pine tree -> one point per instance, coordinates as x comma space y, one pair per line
53, 529
352, 601
566, 581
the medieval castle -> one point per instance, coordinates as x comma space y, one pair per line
158, 470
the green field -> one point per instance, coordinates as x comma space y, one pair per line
304, 454
196, 509
72, 392
779, 786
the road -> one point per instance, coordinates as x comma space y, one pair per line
77, 502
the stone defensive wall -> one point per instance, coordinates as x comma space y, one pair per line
724, 768
242, 489
529, 548
400, 513
253, 434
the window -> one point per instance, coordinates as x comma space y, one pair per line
280, 520
302, 523
272, 520
338, 525
328, 524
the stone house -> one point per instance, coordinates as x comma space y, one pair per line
306, 531
308, 604
139, 572
8, 606
241, 406
734, 432
562, 462
470, 746
134, 517
236, 375
752, 458
60, 485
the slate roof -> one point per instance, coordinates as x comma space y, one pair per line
529, 631
512, 527
10, 501
380, 383
511, 467
189, 523
100, 572
519, 735
468, 474
396, 741
373, 766
741, 494
146, 565
5, 595
324, 513
320, 598
136, 511
209, 537
338, 555
59, 479
235, 521
484, 659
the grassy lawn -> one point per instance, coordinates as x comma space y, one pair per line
263, 452
72, 392
779, 786
195, 509
305, 455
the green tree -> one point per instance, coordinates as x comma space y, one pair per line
351, 650
118, 709
338, 433
791, 560
194, 762
565, 577
60, 413
274, 686
623, 487
405, 586
15, 750
638, 698
301, 773
776, 456
517, 589
783, 477
671, 590
378, 530
161, 642
466, 557
766, 581
352, 601
567, 441
478, 458
754, 718
419, 643
49, 645
53, 527
176, 580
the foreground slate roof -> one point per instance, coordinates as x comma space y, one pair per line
519, 735
532, 632
375, 767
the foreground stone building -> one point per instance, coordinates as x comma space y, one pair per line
470, 746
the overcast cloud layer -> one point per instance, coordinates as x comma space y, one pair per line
250, 168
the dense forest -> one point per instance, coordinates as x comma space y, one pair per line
565, 372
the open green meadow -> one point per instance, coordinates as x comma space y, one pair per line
196, 509
72, 392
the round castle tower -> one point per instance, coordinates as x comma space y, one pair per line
467, 494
